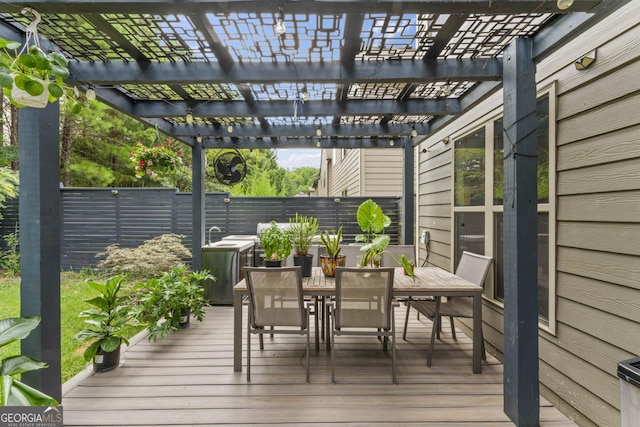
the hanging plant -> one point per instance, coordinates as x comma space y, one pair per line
29, 76
157, 161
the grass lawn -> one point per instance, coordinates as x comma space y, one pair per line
72, 295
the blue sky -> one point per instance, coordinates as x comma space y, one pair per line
290, 158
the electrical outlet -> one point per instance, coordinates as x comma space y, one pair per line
425, 237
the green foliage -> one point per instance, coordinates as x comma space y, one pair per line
87, 173
8, 185
331, 240
162, 253
156, 162
106, 323
372, 222
303, 229
30, 72
161, 301
10, 259
14, 392
276, 242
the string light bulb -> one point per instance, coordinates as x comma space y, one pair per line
318, 132
446, 90
189, 118
564, 4
304, 95
318, 144
280, 27
230, 128
199, 139
392, 143
91, 94
414, 132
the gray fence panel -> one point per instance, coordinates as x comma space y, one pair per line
96, 218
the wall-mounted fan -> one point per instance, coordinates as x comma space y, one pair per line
229, 167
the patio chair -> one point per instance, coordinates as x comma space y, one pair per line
472, 267
276, 300
363, 306
352, 252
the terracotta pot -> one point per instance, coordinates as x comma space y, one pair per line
329, 264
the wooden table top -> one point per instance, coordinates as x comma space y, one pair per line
428, 281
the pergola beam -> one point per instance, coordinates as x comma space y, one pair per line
294, 130
292, 6
317, 143
412, 107
403, 71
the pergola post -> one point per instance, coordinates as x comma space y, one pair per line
39, 222
408, 190
521, 389
198, 163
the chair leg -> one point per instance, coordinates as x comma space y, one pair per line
453, 327
484, 353
309, 344
406, 320
438, 321
261, 336
316, 315
393, 349
333, 353
249, 353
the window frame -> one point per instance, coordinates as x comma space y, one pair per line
489, 209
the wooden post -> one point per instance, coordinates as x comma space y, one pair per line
408, 204
521, 389
198, 163
39, 228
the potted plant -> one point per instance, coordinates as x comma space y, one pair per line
31, 77
302, 231
166, 304
372, 222
14, 392
106, 324
276, 244
331, 241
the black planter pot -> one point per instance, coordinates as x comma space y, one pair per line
185, 315
272, 262
103, 362
304, 261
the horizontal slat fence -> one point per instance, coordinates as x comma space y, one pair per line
93, 219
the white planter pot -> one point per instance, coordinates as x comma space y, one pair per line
22, 97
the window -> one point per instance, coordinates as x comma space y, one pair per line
478, 198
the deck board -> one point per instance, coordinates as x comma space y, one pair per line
188, 380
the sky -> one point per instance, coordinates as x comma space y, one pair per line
295, 158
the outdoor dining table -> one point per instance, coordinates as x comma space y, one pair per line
429, 281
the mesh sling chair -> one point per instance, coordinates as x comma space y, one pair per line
472, 267
276, 300
363, 301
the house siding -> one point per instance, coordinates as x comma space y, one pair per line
598, 226
364, 172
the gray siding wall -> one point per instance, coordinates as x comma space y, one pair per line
598, 218
346, 173
383, 171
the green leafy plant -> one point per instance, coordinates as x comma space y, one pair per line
10, 258
276, 242
161, 302
303, 229
14, 392
331, 240
372, 222
31, 77
162, 253
106, 323
155, 161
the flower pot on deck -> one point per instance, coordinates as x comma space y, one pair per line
106, 361
329, 264
304, 261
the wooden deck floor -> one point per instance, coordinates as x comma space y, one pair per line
188, 380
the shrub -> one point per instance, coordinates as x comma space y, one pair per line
10, 259
154, 256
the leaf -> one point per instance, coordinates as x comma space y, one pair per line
58, 59
36, 51
99, 302
91, 350
76, 108
60, 71
16, 328
42, 63
370, 217
5, 80
26, 60
34, 87
55, 90
20, 394
110, 344
18, 364
13, 45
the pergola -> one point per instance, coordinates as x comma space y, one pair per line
294, 74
